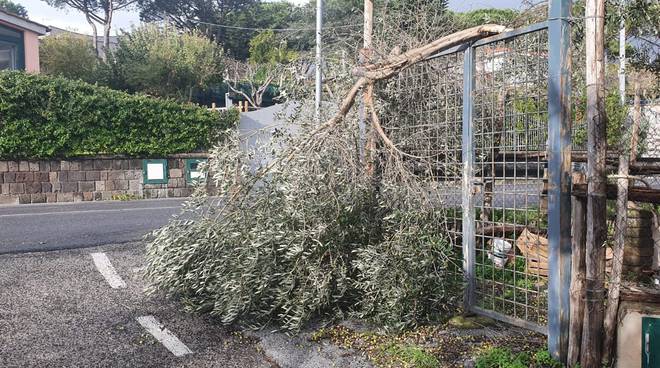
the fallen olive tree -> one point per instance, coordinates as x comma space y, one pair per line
300, 230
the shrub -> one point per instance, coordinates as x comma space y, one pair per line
164, 62
69, 56
43, 117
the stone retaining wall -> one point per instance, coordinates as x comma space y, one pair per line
88, 179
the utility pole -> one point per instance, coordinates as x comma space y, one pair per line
592, 334
319, 60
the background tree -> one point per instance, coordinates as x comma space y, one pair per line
69, 56
161, 61
11, 7
96, 11
269, 56
484, 16
266, 48
200, 15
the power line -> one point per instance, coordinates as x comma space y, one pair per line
274, 29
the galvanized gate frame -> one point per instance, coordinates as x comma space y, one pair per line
559, 175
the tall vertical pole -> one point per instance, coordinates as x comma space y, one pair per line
622, 54
319, 60
365, 57
559, 177
368, 24
469, 252
614, 285
592, 333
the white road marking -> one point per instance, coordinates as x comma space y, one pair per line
90, 211
106, 269
164, 336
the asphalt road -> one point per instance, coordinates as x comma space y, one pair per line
57, 310
30, 228
64, 309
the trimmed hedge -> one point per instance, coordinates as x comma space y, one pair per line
45, 117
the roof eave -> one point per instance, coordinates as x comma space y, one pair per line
23, 23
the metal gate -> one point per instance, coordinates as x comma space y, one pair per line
494, 115
507, 230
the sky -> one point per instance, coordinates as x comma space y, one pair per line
41, 12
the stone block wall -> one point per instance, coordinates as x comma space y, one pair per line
88, 179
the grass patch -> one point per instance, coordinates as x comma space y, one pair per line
125, 197
429, 346
496, 357
412, 356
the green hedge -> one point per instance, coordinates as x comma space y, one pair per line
44, 117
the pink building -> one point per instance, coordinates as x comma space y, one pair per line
19, 42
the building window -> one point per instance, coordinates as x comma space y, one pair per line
7, 56
11, 49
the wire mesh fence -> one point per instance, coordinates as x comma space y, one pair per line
510, 136
422, 113
638, 230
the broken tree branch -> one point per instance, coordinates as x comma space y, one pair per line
375, 72
396, 63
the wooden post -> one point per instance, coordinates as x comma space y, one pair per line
367, 96
579, 227
592, 332
621, 227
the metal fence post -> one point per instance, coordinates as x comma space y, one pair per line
469, 252
559, 176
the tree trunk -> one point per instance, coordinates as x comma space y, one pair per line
579, 212
592, 333
106, 30
620, 240
95, 35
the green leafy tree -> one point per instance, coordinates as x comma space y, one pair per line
201, 15
69, 56
483, 16
12, 7
266, 48
269, 56
642, 21
161, 61
265, 15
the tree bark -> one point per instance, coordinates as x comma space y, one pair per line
579, 212
592, 333
95, 36
396, 63
106, 30
619, 244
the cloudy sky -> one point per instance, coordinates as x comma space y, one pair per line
40, 12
